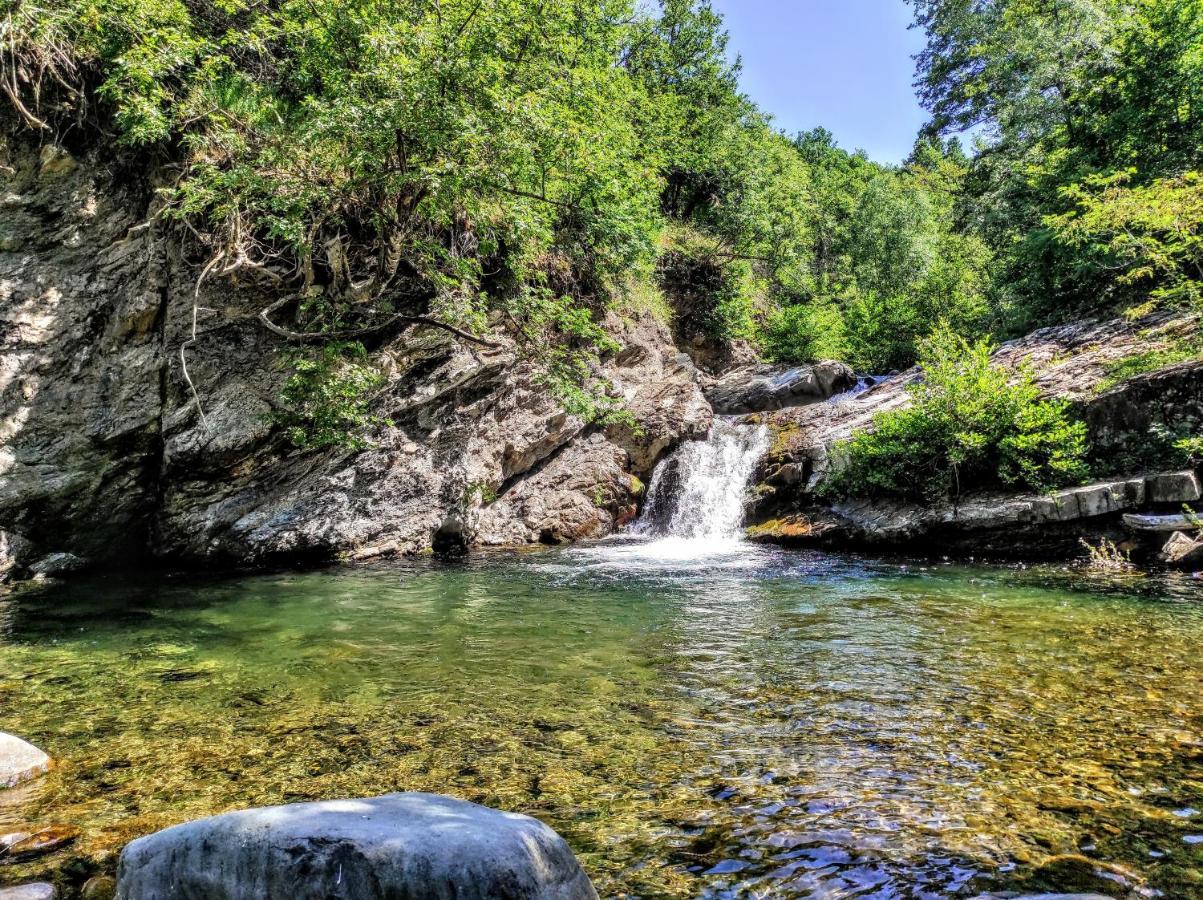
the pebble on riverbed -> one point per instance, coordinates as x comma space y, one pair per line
22, 846
39, 891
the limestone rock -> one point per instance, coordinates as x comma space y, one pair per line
398, 845
763, 387
20, 761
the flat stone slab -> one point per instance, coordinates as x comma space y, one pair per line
398, 845
20, 761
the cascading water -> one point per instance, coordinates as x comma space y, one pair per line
698, 492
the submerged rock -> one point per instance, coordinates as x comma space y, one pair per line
36, 891
764, 388
398, 845
19, 761
43, 841
99, 887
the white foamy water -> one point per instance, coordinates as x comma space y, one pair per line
698, 493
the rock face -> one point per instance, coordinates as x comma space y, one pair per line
104, 453
1070, 362
399, 845
20, 761
765, 388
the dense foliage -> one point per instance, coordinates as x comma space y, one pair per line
971, 425
1091, 116
523, 164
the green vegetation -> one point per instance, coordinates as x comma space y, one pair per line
1086, 181
526, 165
1149, 361
972, 425
327, 399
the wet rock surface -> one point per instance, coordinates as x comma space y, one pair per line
398, 845
764, 388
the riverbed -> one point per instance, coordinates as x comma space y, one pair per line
697, 718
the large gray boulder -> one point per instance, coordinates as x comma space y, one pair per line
408, 845
765, 388
19, 761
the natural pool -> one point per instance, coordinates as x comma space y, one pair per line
737, 721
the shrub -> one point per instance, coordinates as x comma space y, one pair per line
804, 333
972, 425
326, 400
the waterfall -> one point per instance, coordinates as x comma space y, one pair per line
698, 492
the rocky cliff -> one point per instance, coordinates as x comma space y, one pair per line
105, 452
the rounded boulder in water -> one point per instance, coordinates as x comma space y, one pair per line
398, 845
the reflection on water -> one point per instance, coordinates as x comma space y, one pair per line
698, 719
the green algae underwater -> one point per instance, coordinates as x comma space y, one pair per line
750, 722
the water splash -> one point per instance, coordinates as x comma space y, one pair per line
863, 383
698, 493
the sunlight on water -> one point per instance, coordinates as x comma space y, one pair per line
759, 721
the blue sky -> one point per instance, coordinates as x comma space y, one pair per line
842, 64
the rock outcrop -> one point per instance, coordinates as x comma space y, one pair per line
1128, 423
765, 387
992, 523
106, 452
399, 845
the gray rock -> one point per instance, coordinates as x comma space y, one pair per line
764, 388
37, 891
58, 564
20, 761
398, 845
1173, 487
1183, 551
15, 551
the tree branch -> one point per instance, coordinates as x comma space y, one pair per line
304, 337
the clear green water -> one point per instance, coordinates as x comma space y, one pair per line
749, 722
